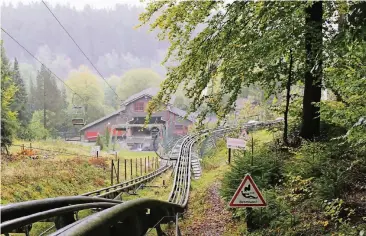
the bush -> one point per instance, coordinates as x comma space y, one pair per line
36, 131
267, 174
266, 170
314, 189
336, 168
98, 162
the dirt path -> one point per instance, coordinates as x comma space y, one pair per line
214, 220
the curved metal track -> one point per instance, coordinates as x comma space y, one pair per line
113, 191
135, 217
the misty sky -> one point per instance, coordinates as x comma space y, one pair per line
79, 4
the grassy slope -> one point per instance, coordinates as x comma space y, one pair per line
60, 174
23, 178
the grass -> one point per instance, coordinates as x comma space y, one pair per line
155, 189
57, 148
24, 178
135, 154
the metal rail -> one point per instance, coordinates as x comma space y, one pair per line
14, 216
113, 191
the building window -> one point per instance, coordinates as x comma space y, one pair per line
179, 127
139, 106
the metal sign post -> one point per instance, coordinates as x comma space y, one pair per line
95, 151
229, 157
234, 143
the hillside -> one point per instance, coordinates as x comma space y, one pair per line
108, 37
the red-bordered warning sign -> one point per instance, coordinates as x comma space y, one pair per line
247, 195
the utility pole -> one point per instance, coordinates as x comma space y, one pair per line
44, 105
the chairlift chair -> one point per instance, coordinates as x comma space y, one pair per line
78, 116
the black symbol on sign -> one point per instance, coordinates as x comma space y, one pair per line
247, 188
247, 195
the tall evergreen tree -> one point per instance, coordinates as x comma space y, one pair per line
32, 97
8, 90
48, 97
21, 98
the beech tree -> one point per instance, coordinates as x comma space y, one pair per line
245, 43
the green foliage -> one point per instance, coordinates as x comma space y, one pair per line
107, 136
8, 116
222, 53
110, 97
20, 103
90, 88
266, 170
36, 129
134, 81
100, 142
315, 189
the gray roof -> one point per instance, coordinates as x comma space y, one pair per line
101, 119
151, 92
182, 113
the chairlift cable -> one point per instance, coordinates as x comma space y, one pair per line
25, 49
77, 45
74, 93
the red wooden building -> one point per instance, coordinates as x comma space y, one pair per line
127, 123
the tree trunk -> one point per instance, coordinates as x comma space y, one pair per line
288, 97
310, 128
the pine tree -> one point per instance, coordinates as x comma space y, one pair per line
48, 98
8, 90
32, 97
20, 99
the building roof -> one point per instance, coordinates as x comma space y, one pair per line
181, 113
151, 92
101, 119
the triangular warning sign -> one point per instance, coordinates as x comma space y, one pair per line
247, 195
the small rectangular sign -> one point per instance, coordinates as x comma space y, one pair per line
94, 150
235, 143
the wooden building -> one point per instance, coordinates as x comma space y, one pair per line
126, 124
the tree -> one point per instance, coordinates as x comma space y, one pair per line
241, 44
111, 99
8, 90
180, 100
36, 127
345, 73
89, 93
247, 43
313, 72
20, 101
29, 75
136, 80
47, 96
